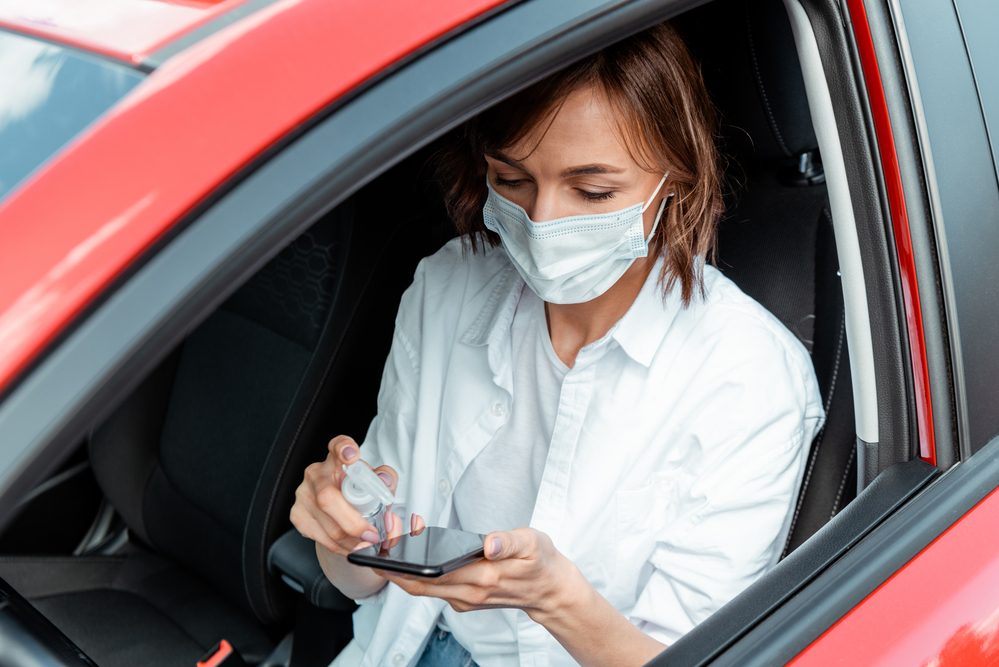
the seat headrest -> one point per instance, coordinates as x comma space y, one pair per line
751, 67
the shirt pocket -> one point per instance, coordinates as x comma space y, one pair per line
640, 514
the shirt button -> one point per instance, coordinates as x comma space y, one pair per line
398, 658
443, 486
499, 409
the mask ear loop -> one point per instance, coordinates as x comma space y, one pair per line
662, 205
659, 214
648, 202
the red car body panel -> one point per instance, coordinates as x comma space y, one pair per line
900, 227
207, 112
939, 610
83, 219
128, 30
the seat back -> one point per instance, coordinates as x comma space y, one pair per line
776, 239
203, 459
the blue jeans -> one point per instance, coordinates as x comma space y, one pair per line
443, 650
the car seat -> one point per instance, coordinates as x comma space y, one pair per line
776, 239
202, 460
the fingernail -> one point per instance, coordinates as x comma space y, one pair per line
386, 478
370, 536
349, 453
495, 547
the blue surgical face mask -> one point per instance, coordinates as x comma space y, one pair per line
573, 259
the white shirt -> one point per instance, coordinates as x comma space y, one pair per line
673, 467
499, 489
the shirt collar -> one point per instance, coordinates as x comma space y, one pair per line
493, 325
639, 332
496, 316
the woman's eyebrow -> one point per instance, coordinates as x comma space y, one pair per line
581, 170
503, 157
587, 169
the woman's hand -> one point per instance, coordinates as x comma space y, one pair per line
321, 513
522, 569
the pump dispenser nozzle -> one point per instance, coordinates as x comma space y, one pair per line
367, 493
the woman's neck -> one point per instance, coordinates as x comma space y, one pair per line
572, 326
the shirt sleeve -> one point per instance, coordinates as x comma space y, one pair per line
389, 439
755, 426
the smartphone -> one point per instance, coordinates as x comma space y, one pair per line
430, 552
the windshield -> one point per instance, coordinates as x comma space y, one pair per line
48, 94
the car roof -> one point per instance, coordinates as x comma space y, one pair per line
76, 225
128, 30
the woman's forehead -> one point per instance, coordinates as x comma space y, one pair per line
585, 128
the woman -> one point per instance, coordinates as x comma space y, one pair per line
572, 379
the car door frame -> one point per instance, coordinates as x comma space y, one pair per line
104, 357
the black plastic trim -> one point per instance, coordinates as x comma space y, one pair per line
888, 33
293, 558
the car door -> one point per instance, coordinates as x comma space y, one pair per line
941, 605
275, 195
921, 587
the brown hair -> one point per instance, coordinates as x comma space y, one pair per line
657, 88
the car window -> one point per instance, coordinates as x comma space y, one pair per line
956, 85
50, 94
979, 21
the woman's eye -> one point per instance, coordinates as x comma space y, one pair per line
597, 196
509, 182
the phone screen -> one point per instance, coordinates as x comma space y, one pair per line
430, 552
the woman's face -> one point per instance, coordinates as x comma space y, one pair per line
578, 166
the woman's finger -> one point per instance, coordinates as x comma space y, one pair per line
344, 449
394, 526
465, 596
334, 534
388, 475
331, 502
307, 525
416, 523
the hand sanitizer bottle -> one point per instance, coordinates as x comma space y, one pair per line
366, 491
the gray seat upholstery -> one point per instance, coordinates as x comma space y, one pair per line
202, 460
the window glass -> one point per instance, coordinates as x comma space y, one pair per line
979, 22
48, 94
958, 105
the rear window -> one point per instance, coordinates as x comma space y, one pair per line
48, 94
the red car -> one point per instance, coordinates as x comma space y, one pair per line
195, 297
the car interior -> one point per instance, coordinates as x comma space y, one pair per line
168, 530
